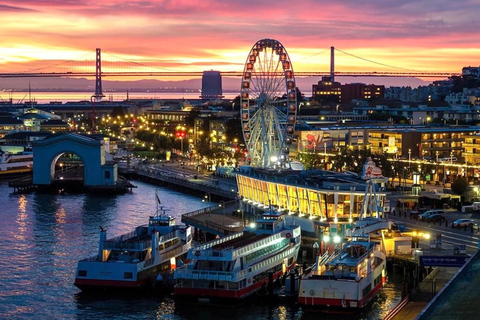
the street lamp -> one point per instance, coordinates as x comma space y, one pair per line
180, 133
207, 197
410, 158
221, 204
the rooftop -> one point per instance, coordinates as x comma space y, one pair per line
459, 298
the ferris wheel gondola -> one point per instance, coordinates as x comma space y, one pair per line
268, 104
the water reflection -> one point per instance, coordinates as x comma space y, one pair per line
44, 235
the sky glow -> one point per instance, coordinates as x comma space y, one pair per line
191, 35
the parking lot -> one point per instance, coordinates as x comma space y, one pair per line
450, 215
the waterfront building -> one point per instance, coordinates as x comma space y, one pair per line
327, 90
54, 125
394, 141
434, 143
85, 154
10, 124
422, 114
471, 147
24, 139
320, 195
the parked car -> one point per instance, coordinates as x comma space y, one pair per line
449, 159
424, 216
463, 222
436, 217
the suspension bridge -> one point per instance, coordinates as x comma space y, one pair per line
118, 67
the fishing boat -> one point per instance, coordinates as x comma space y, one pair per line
233, 268
11, 163
137, 259
345, 278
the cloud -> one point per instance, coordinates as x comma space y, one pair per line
185, 33
6, 8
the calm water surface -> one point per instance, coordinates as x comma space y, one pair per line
42, 237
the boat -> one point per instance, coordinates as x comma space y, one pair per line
14, 163
234, 267
141, 258
347, 278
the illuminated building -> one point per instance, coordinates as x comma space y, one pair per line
318, 194
326, 90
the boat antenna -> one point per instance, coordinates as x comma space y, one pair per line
158, 200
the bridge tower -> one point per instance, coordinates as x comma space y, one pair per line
332, 64
98, 77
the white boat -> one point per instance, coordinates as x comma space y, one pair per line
236, 266
136, 259
15, 163
347, 278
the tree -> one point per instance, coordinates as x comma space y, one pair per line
459, 186
190, 118
117, 111
233, 129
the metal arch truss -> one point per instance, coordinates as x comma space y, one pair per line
268, 105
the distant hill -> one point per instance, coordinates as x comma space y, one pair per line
229, 84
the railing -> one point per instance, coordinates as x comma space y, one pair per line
392, 313
182, 273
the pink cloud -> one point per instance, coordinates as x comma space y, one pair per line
395, 33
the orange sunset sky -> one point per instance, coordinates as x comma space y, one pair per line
192, 35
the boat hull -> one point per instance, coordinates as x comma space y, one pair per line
105, 276
341, 294
216, 295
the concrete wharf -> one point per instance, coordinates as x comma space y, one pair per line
214, 189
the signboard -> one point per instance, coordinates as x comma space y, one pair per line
311, 141
442, 261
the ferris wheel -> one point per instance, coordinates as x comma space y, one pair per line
268, 104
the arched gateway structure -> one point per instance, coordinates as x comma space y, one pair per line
96, 171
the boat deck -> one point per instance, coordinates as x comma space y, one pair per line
351, 255
246, 239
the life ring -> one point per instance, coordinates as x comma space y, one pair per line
197, 253
312, 292
288, 235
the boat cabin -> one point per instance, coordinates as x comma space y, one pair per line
270, 222
161, 223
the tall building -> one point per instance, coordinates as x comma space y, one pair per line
327, 90
211, 85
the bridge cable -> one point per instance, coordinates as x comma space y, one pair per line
371, 61
75, 60
141, 64
315, 54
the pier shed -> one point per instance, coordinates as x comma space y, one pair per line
92, 168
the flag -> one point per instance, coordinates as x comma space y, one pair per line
158, 199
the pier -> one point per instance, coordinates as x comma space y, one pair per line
212, 188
